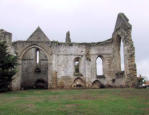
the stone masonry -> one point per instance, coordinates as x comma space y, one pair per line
51, 64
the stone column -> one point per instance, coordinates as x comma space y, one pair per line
107, 68
129, 60
54, 79
49, 75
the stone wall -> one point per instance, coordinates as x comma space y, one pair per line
73, 65
123, 32
33, 71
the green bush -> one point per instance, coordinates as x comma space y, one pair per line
8, 65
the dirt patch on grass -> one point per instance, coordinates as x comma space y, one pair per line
34, 99
71, 105
84, 97
26, 107
131, 93
30, 107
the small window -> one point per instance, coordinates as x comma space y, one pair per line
77, 64
37, 56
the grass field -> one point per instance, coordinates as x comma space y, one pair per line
76, 102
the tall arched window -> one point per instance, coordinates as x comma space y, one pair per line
122, 55
37, 56
99, 67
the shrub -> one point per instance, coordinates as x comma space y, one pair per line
8, 65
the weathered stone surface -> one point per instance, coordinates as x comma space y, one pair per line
38, 35
56, 66
68, 39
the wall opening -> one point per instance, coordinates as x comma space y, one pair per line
99, 68
122, 55
41, 84
77, 65
37, 56
97, 84
34, 67
78, 83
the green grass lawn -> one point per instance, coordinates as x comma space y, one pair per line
76, 102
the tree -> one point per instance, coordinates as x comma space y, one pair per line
140, 81
8, 65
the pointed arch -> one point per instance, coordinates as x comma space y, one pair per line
78, 83
122, 55
97, 84
120, 48
99, 66
33, 46
34, 66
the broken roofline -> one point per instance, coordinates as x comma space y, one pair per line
121, 22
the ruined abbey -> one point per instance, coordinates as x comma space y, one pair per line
51, 64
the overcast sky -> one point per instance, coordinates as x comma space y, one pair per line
87, 20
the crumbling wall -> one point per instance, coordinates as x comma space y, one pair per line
58, 60
123, 32
21, 47
7, 37
63, 61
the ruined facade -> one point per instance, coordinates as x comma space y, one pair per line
51, 64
